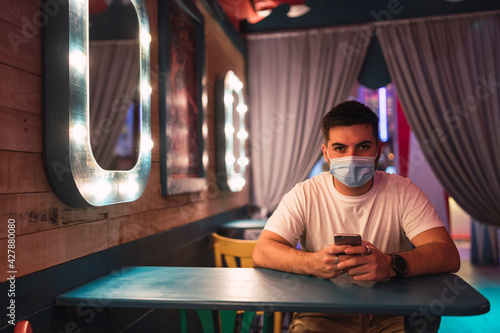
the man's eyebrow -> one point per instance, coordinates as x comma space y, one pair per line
365, 142
357, 144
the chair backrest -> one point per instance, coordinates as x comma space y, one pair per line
235, 252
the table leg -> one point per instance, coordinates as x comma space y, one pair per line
207, 322
184, 321
268, 324
246, 322
422, 324
227, 321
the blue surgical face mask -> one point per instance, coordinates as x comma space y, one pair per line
353, 171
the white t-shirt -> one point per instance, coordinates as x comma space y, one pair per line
389, 215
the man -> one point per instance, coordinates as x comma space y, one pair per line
388, 211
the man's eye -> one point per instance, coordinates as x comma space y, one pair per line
364, 147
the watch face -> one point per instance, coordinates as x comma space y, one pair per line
399, 266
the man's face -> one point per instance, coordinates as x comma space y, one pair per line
355, 140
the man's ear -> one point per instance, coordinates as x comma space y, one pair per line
325, 153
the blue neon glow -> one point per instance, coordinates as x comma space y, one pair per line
382, 114
390, 169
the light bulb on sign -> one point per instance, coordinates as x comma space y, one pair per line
129, 187
242, 135
238, 85
228, 99
78, 61
145, 38
243, 161
230, 159
79, 133
147, 143
236, 183
146, 89
100, 189
229, 130
241, 108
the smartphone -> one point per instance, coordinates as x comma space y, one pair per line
347, 239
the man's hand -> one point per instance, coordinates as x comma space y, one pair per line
434, 253
366, 263
275, 252
324, 263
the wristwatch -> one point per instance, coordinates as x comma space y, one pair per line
399, 265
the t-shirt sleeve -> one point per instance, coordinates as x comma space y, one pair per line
288, 218
418, 213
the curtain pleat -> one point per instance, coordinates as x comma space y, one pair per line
114, 83
294, 79
447, 75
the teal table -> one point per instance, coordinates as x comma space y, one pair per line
422, 300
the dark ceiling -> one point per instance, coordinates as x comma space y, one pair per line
244, 17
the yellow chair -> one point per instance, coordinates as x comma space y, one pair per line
238, 253
234, 252
228, 252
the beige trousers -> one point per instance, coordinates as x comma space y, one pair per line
345, 323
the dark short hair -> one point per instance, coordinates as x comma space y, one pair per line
347, 114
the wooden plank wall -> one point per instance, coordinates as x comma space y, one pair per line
48, 232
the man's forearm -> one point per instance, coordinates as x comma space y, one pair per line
432, 258
275, 255
275, 252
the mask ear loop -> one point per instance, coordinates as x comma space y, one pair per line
377, 156
328, 155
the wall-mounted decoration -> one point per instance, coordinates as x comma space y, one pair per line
183, 128
231, 132
96, 93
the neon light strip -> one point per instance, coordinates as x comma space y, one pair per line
382, 114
